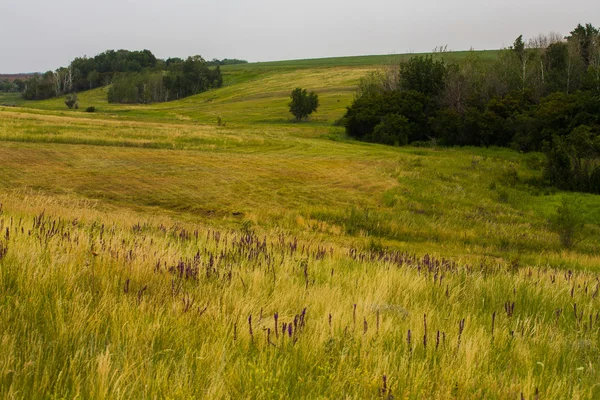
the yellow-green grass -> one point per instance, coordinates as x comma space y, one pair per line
463, 203
115, 304
98, 206
256, 92
361, 61
263, 98
10, 99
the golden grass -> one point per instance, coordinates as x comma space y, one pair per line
96, 306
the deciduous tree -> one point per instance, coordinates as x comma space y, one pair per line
303, 103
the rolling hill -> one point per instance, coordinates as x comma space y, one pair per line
157, 251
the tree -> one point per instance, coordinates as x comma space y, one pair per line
525, 56
423, 74
303, 103
584, 37
19, 84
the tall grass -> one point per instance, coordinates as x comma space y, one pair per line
103, 305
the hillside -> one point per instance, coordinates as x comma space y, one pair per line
154, 253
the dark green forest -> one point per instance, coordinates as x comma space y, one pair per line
135, 76
543, 95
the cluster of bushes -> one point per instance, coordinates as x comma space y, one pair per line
137, 77
544, 96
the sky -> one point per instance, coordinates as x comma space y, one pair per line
41, 35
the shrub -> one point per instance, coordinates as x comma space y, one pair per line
90, 109
71, 101
573, 160
567, 223
393, 129
367, 112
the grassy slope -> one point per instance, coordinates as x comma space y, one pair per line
11, 99
418, 199
130, 185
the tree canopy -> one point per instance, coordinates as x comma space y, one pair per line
539, 95
134, 76
303, 103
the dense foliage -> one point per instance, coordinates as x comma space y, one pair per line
181, 79
136, 77
543, 96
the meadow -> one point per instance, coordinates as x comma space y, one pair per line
212, 248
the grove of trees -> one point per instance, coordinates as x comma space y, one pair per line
543, 95
180, 79
135, 76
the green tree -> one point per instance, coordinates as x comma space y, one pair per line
19, 84
423, 74
525, 58
303, 103
585, 38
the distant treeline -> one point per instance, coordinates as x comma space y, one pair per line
180, 79
136, 73
226, 61
13, 83
543, 95
11, 86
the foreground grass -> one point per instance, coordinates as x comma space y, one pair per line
113, 305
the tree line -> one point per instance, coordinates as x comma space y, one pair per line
11, 86
139, 77
539, 95
180, 79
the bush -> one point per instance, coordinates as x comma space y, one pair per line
367, 112
567, 223
393, 129
573, 160
90, 109
71, 101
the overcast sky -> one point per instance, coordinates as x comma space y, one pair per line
38, 35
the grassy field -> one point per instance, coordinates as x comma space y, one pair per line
148, 252
10, 99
